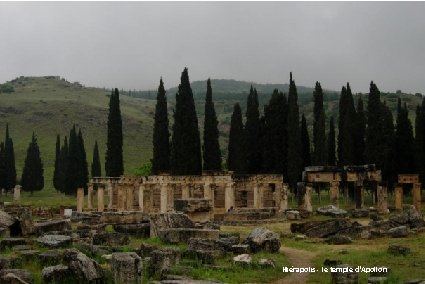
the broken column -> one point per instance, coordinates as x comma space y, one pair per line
229, 196
305, 198
141, 196
100, 198
90, 197
334, 193
382, 197
80, 199
417, 196
398, 195
17, 193
126, 267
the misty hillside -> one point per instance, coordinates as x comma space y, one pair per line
50, 105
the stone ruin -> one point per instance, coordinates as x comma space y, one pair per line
211, 196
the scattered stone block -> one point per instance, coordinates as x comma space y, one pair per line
338, 240
399, 232
83, 268
183, 235
15, 276
126, 267
50, 257
56, 274
262, 239
167, 221
242, 259
398, 250
50, 226
321, 229
240, 249
292, 215
55, 241
266, 263
333, 211
161, 262
111, 239
359, 213
141, 229
11, 242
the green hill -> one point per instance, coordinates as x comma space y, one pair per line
50, 105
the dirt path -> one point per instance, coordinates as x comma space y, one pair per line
297, 258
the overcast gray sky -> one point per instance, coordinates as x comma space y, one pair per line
130, 45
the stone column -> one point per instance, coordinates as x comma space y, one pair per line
382, 197
170, 197
129, 197
110, 194
207, 190
417, 196
121, 197
334, 193
256, 195
17, 193
229, 196
164, 198
398, 195
80, 199
306, 199
100, 195
141, 192
185, 191
90, 197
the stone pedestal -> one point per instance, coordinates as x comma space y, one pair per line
141, 196
229, 196
129, 197
398, 195
100, 199
80, 199
417, 196
17, 193
90, 197
382, 197
334, 193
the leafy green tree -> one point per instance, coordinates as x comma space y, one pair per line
236, 153
161, 134
96, 169
252, 133
56, 173
405, 153
211, 147
114, 165
294, 137
33, 172
185, 143
331, 161
319, 136
305, 143
10, 169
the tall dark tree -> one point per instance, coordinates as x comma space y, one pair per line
236, 146
405, 153
2, 166
33, 172
72, 179
331, 161
96, 169
252, 133
359, 133
161, 134
62, 166
294, 136
56, 173
305, 143
346, 127
82, 160
10, 169
275, 134
420, 140
185, 143
211, 147
114, 165
388, 147
319, 136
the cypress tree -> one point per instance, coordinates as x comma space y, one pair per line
405, 155
3, 176
346, 127
252, 133
96, 170
294, 137
56, 173
275, 136
211, 147
82, 160
10, 170
161, 135
331, 144
305, 143
114, 165
359, 133
32, 174
185, 143
319, 136
63, 166
236, 152
420, 140
73, 164
388, 147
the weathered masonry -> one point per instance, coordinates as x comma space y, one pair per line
412, 179
354, 175
201, 197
